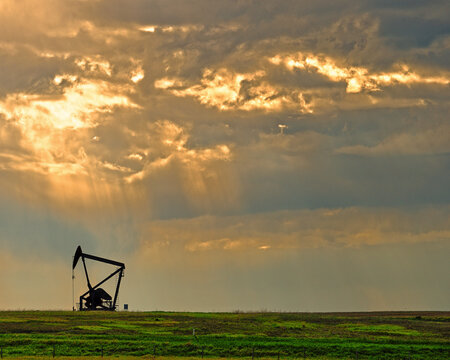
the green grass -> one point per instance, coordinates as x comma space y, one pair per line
226, 335
384, 329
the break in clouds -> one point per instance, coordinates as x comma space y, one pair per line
249, 140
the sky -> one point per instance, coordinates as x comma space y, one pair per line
236, 155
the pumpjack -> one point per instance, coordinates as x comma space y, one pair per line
96, 298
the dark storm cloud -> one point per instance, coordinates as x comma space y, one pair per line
412, 31
205, 12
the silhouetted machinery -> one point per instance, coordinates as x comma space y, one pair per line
96, 298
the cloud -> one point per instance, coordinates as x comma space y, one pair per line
356, 78
252, 127
46, 122
282, 231
227, 91
427, 142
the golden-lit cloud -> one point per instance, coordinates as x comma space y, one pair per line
190, 28
75, 108
137, 75
94, 64
44, 121
296, 230
56, 135
201, 171
357, 78
226, 90
171, 28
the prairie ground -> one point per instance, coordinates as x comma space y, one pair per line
169, 335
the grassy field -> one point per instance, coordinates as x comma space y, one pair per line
401, 335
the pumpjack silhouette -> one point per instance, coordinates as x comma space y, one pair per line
96, 298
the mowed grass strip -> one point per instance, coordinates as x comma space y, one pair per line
231, 335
